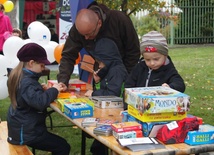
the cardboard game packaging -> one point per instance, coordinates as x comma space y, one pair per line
126, 126
107, 101
78, 110
104, 130
74, 84
205, 135
155, 117
61, 102
157, 99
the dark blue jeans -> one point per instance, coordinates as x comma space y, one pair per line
52, 143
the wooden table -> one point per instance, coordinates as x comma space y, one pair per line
7, 148
110, 141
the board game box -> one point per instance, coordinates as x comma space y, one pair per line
128, 134
104, 130
155, 117
157, 99
105, 122
74, 84
78, 110
205, 135
107, 101
61, 102
89, 121
126, 126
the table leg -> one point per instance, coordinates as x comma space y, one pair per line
83, 143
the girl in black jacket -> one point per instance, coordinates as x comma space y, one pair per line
156, 68
29, 102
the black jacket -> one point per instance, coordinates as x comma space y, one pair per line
165, 74
107, 52
27, 121
116, 26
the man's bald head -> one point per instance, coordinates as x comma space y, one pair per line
86, 21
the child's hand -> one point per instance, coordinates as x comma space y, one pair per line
165, 85
44, 86
96, 77
89, 93
58, 86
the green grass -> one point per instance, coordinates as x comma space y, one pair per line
194, 65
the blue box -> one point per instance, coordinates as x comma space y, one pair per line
147, 127
78, 110
205, 135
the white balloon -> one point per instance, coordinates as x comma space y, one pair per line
4, 65
11, 47
53, 44
14, 63
50, 52
41, 35
3, 87
32, 27
26, 41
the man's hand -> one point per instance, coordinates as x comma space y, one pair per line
64, 87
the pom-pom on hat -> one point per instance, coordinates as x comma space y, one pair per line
33, 51
154, 42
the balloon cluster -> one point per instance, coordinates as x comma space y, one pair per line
8, 5
38, 33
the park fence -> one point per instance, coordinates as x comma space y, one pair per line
195, 23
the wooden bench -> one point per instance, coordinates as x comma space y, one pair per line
7, 148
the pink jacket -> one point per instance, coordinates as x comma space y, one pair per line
5, 25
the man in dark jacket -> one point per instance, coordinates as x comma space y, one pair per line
94, 23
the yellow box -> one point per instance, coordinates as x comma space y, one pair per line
155, 117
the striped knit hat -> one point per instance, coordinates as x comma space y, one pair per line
154, 42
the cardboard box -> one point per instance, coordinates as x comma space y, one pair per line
205, 135
107, 101
148, 126
157, 99
62, 102
74, 84
78, 110
128, 134
126, 126
155, 117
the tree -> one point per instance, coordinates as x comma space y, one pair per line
132, 6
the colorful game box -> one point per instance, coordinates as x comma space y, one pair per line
104, 130
107, 101
62, 102
157, 99
148, 126
78, 110
128, 134
105, 122
89, 121
126, 126
74, 84
155, 117
205, 135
